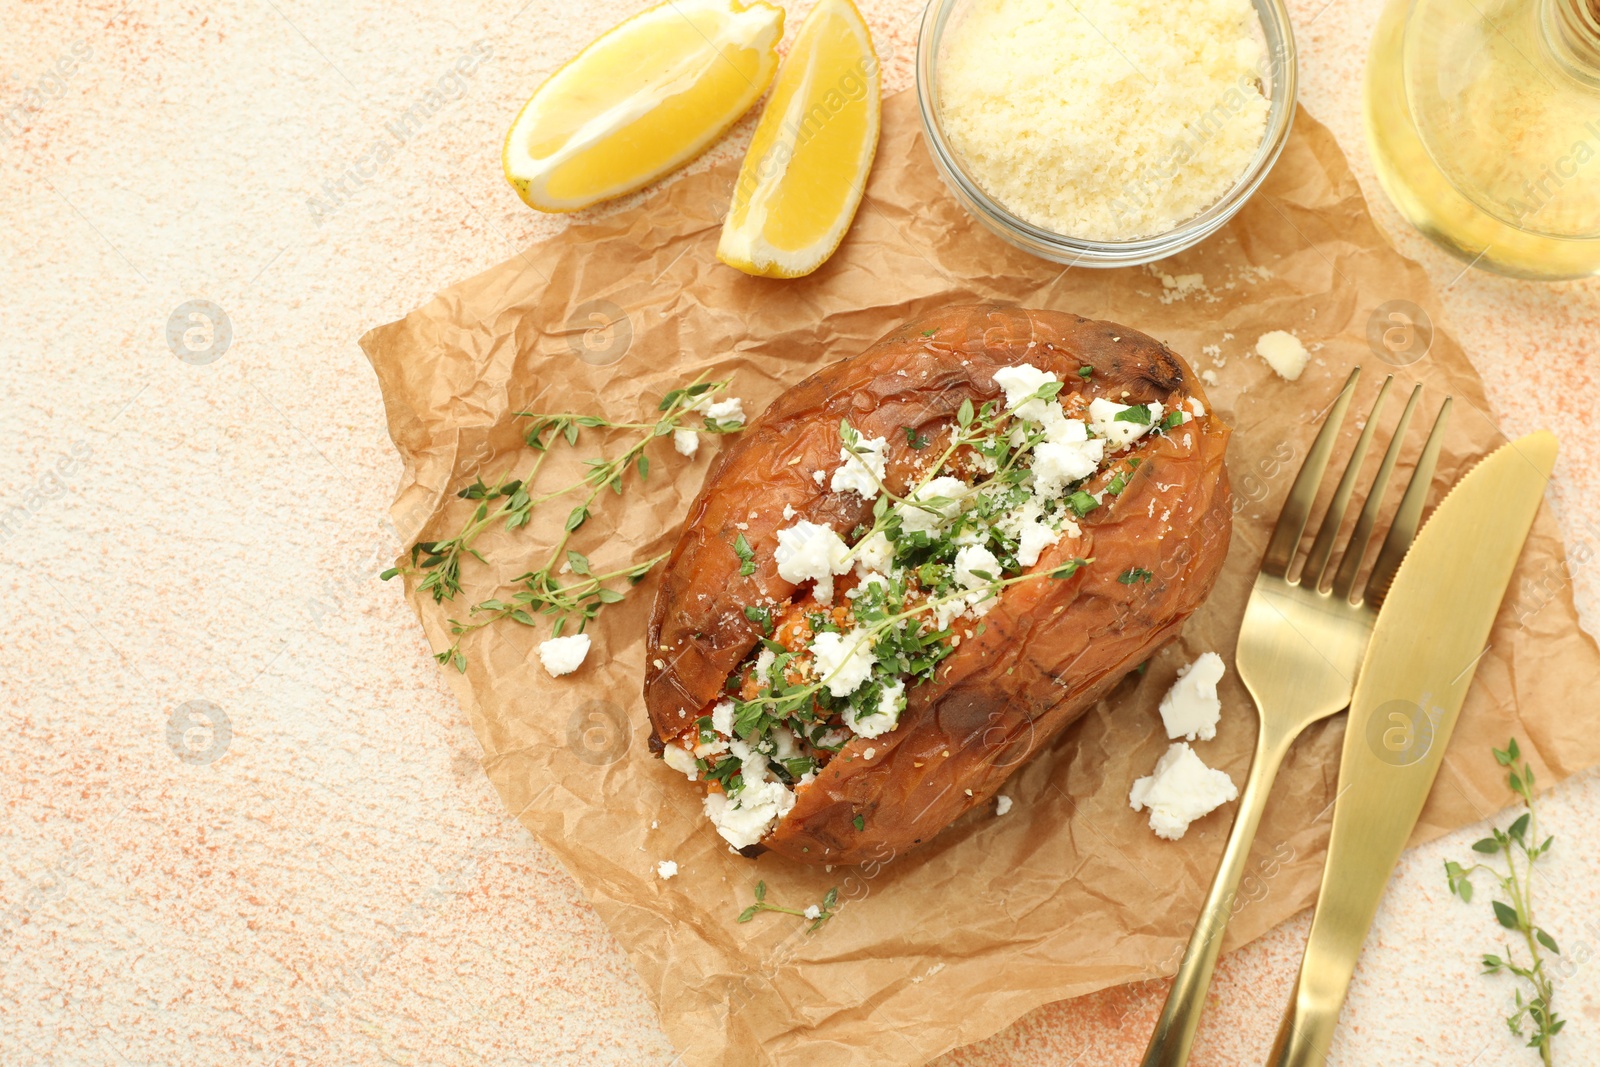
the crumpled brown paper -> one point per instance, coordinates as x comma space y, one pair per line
1068, 893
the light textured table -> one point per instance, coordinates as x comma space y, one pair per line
339, 885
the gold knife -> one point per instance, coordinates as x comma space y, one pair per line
1431, 632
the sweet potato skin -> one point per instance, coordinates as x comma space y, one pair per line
1051, 647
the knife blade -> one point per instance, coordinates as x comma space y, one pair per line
1431, 632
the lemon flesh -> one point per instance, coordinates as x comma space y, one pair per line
802, 180
643, 99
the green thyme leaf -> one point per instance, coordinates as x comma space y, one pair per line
759, 615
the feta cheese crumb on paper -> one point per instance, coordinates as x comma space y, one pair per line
1283, 352
666, 869
563, 655
809, 551
1179, 287
1002, 804
813, 912
1209, 377
1181, 790
1191, 707
861, 472
685, 442
730, 410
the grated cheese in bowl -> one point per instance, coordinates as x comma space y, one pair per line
1105, 123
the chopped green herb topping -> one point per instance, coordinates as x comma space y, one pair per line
1082, 503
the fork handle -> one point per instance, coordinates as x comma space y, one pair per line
1174, 1033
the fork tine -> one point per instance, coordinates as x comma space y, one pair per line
1322, 547
1361, 536
1297, 506
1404, 528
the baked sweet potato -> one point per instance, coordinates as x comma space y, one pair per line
1139, 545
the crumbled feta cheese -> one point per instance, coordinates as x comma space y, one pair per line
874, 553
818, 476
1209, 377
764, 661
869, 753
918, 516
812, 912
788, 512
1021, 382
1036, 537
1181, 790
1196, 408
710, 748
1179, 287
1103, 418
679, 759
722, 718
1057, 464
685, 442
729, 410
862, 472
666, 869
784, 744
973, 559
808, 551
1283, 352
746, 818
1002, 804
563, 655
1191, 707
844, 660
883, 718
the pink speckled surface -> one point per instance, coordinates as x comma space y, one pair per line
339, 884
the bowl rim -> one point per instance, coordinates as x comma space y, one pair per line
1282, 65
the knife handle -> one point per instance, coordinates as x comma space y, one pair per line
1180, 1015
1373, 816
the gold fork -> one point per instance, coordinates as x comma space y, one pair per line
1299, 651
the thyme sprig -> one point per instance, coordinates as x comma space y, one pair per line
817, 914
1515, 912
512, 500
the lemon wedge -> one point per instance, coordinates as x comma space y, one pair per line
803, 177
644, 98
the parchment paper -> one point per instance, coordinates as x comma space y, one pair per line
1070, 892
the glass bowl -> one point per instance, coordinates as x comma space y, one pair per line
1279, 87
